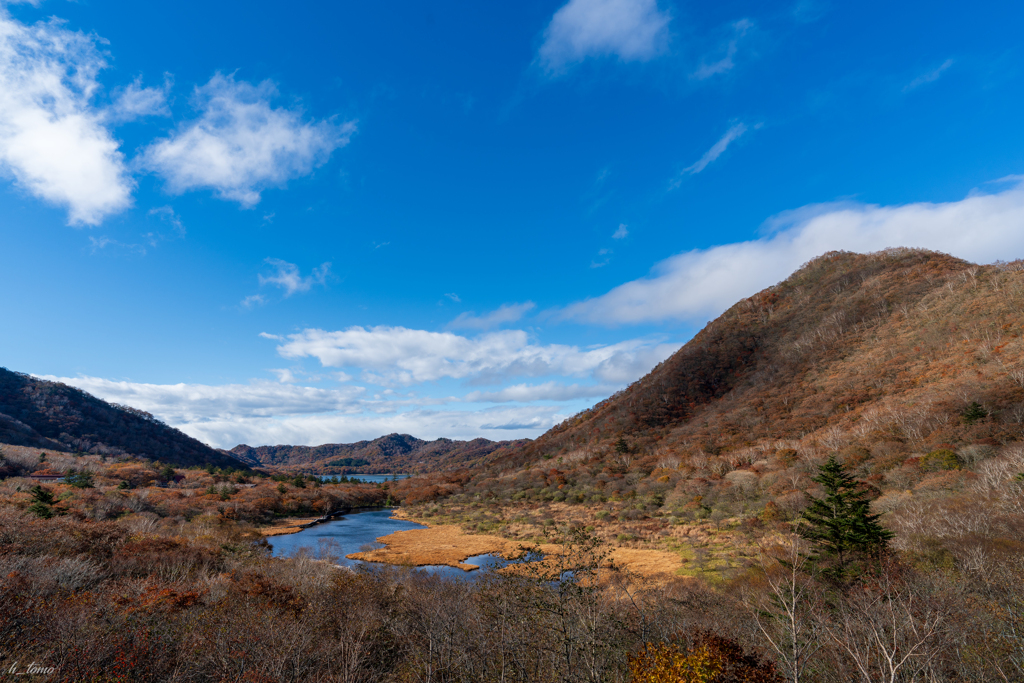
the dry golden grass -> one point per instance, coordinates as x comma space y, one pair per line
448, 544
289, 525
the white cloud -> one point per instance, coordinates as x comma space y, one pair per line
288, 278
702, 283
271, 413
187, 403
716, 151
53, 142
621, 233
508, 422
136, 102
506, 313
241, 145
285, 411
398, 355
720, 66
633, 30
929, 77
284, 375
454, 297
252, 301
548, 391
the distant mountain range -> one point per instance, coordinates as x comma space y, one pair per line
44, 414
36, 412
391, 453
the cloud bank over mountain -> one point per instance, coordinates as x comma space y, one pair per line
700, 284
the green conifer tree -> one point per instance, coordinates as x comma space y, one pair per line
841, 524
42, 502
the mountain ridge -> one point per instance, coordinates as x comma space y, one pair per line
38, 412
389, 453
881, 359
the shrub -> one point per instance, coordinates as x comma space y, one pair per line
941, 459
710, 658
787, 456
773, 513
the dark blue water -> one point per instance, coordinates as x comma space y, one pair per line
358, 531
368, 478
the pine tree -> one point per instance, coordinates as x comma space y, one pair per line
841, 523
42, 503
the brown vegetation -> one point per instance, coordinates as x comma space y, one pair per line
906, 366
35, 412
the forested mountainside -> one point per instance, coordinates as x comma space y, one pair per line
391, 453
35, 412
882, 359
892, 346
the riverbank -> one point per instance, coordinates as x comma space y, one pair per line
291, 525
288, 525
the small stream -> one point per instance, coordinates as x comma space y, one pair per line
357, 531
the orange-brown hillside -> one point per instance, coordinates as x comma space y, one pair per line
901, 341
879, 357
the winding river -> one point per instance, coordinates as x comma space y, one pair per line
349, 534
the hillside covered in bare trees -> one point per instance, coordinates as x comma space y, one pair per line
36, 412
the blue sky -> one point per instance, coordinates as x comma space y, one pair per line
298, 223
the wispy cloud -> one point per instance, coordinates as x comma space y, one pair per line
621, 233
184, 403
602, 262
403, 356
170, 216
99, 243
53, 140
700, 284
288, 277
241, 145
928, 77
505, 314
252, 301
267, 412
136, 102
716, 151
548, 391
454, 297
731, 47
632, 30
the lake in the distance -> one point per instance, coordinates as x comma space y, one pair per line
366, 478
350, 533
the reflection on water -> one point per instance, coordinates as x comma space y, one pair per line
358, 531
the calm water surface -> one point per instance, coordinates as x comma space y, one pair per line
368, 478
352, 532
